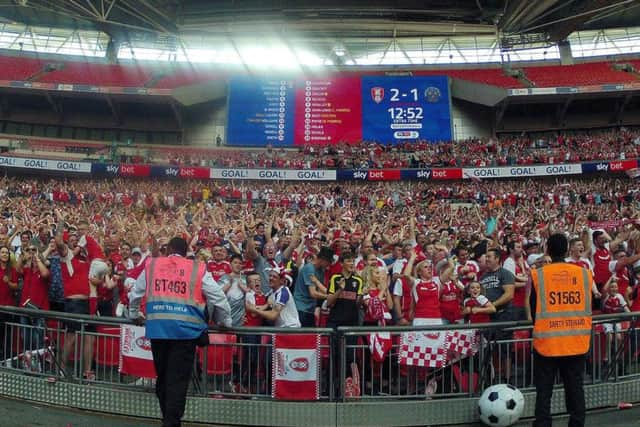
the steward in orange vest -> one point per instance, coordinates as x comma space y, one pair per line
176, 291
175, 304
563, 310
561, 307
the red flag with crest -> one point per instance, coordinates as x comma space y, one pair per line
296, 367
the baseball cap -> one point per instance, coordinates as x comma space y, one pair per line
136, 251
533, 258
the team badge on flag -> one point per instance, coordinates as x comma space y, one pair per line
296, 362
136, 358
377, 94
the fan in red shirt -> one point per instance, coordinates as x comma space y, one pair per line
35, 279
8, 284
9, 278
466, 268
516, 265
477, 308
576, 254
619, 267
35, 287
75, 278
218, 266
601, 259
451, 296
368, 257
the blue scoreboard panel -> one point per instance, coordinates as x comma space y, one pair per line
260, 112
405, 108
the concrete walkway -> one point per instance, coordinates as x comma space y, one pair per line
14, 413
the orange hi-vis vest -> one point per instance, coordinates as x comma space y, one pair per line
562, 325
175, 304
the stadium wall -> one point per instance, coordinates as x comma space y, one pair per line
204, 125
470, 120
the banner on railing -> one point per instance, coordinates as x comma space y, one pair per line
319, 175
434, 349
45, 164
613, 166
136, 358
296, 367
373, 175
522, 171
423, 348
275, 174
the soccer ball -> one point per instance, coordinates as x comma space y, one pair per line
501, 405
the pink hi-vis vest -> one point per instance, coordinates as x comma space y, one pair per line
175, 304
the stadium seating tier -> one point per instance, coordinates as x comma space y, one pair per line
125, 75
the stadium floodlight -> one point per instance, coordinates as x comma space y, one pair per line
339, 50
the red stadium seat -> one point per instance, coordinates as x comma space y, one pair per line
577, 75
127, 75
13, 68
220, 354
107, 345
186, 76
99, 75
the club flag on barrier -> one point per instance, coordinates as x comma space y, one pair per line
136, 358
423, 348
296, 367
434, 349
462, 343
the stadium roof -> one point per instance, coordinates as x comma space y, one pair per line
326, 19
326, 33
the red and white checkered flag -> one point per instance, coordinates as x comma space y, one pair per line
462, 342
425, 349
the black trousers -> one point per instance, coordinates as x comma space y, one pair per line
351, 341
173, 360
571, 369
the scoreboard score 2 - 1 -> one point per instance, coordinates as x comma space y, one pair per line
406, 108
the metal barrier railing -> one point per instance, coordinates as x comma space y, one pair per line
238, 361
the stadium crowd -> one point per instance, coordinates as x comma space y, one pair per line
478, 152
306, 254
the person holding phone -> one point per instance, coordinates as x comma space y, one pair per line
344, 297
35, 294
8, 285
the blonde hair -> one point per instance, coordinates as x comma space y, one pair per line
421, 264
204, 255
367, 276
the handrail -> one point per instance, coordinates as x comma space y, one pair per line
347, 330
123, 321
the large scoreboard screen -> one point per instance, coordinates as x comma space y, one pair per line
397, 108
333, 110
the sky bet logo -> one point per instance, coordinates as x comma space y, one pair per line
360, 175
602, 167
424, 174
171, 171
113, 169
127, 170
